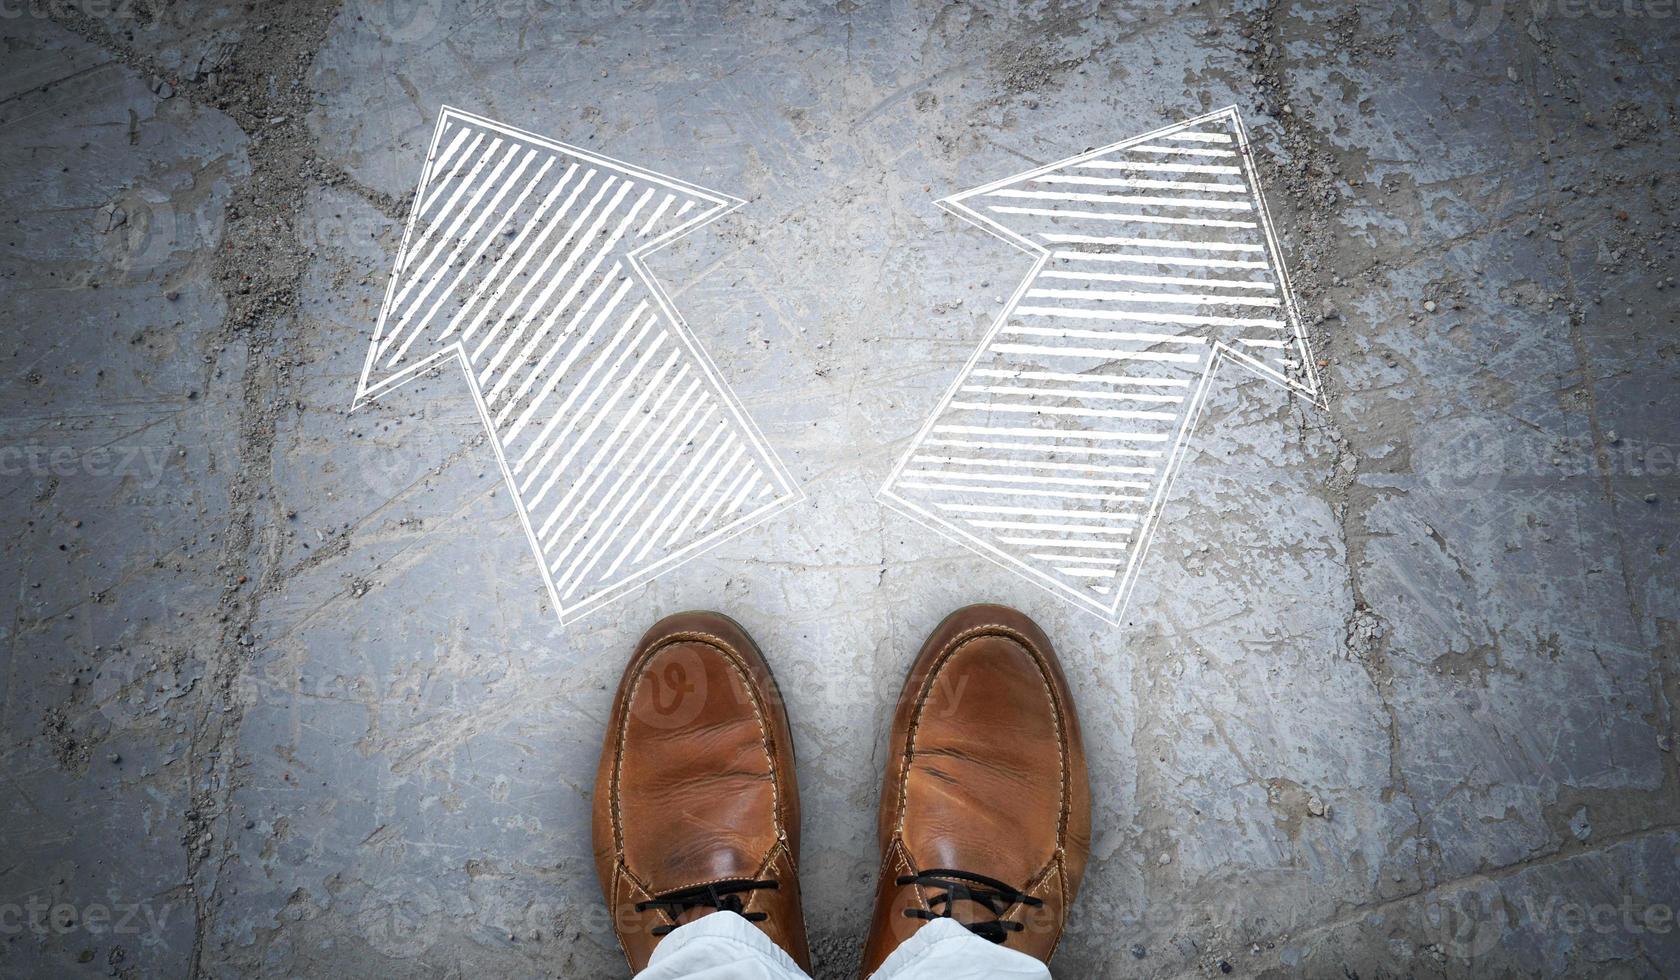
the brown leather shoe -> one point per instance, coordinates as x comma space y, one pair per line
986, 811
696, 808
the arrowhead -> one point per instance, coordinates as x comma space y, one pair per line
623, 451
1155, 262
502, 227
1162, 234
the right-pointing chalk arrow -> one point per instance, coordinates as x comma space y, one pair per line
1054, 451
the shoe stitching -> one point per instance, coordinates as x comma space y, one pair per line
780, 849
1062, 883
776, 852
1039, 881
618, 903
902, 854
1065, 792
763, 867
939, 662
897, 858
1033, 885
736, 661
793, 873
622, 874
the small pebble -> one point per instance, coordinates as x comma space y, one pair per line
1650, 498
1138, 952
1429, 306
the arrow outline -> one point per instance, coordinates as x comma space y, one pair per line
1221, 352
789, 492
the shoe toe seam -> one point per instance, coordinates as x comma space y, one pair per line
736, 661
940, 661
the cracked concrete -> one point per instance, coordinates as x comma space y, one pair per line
282, 697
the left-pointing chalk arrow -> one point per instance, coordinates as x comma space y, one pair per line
624, 450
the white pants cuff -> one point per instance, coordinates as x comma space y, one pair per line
724, 946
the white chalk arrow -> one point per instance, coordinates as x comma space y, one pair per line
1154, 264
523, 259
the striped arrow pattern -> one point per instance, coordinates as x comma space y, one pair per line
624, 450
1156, 261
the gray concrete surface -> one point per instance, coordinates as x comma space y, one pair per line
1396, 697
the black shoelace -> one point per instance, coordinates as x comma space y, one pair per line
725, 896
960, 886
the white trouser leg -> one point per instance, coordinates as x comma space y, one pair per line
944, 950
724, 946
720, 946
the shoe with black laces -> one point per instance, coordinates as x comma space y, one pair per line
696, 808
986, 809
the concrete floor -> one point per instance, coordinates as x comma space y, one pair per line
283, 694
